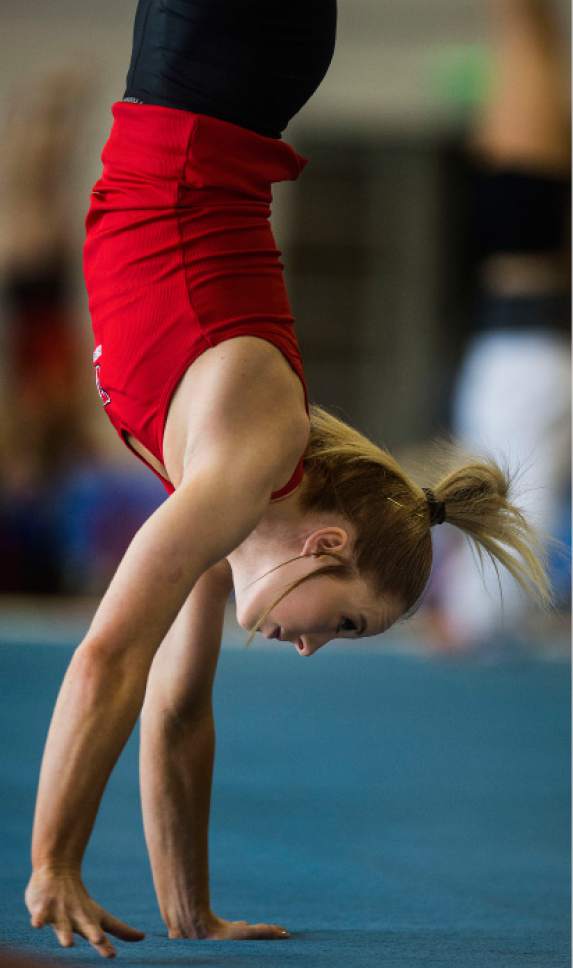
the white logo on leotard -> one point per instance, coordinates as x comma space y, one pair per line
105, 397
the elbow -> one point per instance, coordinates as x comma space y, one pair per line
174, 715
106, 676
90, 674
91, 655
97, 657
178, 702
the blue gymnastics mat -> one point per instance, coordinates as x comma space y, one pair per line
388, 810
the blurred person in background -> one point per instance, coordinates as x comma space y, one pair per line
42, 428
57, 532
513, 392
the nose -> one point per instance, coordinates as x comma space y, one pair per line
302, 647
309, 644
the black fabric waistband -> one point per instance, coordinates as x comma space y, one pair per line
251, 62
519, 211
547, 313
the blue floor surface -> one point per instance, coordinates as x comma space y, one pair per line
389, 811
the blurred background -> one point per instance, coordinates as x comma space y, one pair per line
427, 254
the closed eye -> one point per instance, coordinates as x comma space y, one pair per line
347, 625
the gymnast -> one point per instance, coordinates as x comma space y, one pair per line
319, 532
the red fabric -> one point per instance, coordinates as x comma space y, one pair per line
180, 256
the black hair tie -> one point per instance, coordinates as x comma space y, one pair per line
437, 508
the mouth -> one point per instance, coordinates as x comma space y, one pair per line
278, 633
275, 634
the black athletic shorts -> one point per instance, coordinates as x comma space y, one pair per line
251, 62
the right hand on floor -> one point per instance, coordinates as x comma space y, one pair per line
217, 929
59, 898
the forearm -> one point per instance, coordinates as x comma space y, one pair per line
176, 769
104, 687
96, 710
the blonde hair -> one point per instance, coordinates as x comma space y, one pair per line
348, 474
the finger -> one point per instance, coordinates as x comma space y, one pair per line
94, 934
120, 929
105, 948
64, 933
277, 929
268, 932
271, 931
40, 915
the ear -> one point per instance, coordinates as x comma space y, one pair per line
325, 540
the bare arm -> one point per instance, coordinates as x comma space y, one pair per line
104, 686
176, 766
177, 753
101, 696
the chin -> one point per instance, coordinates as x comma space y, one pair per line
247, 613
242, 620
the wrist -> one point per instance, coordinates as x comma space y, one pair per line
183, 921
56, 868
48, 859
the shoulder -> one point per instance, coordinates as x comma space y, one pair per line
241, 402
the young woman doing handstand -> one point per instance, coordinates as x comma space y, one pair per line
319, 531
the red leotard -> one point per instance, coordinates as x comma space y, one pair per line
180, 256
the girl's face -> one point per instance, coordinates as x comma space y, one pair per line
318, 611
